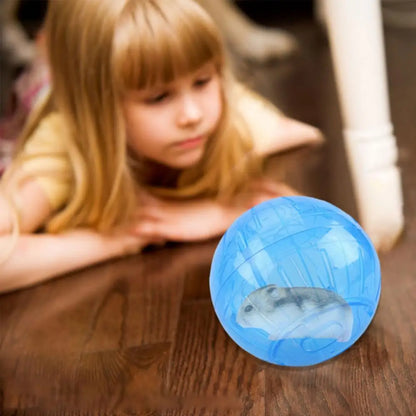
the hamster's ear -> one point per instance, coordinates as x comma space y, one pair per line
273, 291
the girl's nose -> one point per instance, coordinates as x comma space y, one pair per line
190, 112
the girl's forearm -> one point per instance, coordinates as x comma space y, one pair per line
39, 257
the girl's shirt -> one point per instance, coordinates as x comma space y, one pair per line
46, 159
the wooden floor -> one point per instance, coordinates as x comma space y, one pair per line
139, 336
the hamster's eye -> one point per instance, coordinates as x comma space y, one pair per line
248, 308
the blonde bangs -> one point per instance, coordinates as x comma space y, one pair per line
157, 43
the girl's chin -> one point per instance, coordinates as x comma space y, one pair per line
185, 161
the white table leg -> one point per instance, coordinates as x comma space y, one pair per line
356, 39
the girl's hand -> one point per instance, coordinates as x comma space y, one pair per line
200, 219
116, 244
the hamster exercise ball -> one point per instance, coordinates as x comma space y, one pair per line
295, 281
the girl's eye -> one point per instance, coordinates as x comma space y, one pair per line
157, 98
200, 82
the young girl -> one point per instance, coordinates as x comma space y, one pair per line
141, 140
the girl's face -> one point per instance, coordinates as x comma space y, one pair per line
171, 124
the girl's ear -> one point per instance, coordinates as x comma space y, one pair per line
272, 131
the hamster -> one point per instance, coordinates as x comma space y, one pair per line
297, 312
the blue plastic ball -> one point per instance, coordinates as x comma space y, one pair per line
295, 281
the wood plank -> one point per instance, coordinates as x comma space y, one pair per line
208, 372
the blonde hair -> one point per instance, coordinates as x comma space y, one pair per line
98, 50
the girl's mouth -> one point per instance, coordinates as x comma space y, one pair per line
190, 143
